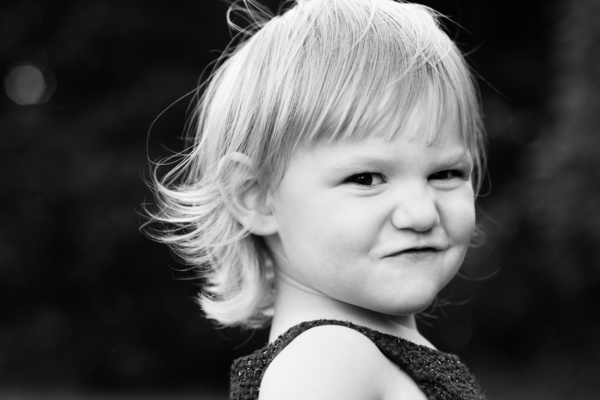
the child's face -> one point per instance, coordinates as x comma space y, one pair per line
383, 225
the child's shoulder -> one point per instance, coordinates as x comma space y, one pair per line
335, 362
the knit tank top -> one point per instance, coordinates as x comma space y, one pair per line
439, 375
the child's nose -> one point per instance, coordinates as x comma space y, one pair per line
415, 209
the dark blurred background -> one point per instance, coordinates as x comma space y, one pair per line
90, 308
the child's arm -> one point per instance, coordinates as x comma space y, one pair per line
334, 362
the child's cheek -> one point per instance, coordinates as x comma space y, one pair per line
350, 223
328, 231
458, 216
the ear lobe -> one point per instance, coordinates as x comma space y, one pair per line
245, 201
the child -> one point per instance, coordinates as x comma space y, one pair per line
330, 192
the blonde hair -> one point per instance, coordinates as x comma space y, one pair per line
323, 70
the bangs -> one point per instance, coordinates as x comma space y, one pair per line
419, 106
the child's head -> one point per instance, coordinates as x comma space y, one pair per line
324, 71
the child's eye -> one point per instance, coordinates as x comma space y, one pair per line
365, 179
448, 174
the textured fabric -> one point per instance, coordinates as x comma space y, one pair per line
440, 376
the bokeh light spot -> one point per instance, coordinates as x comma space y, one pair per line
25, 84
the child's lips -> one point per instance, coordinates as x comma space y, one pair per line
421, 251
418, 253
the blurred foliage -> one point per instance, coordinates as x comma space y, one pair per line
87, 301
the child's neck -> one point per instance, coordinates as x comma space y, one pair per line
294, 305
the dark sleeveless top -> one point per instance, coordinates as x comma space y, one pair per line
439, 375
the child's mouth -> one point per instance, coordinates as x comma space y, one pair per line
424, 250
420, 252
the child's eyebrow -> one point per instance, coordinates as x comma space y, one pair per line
461, 159
361, 164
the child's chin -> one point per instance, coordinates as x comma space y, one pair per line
413, 307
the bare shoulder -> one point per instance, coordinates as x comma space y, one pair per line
335, 362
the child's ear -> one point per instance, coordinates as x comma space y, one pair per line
247, 204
